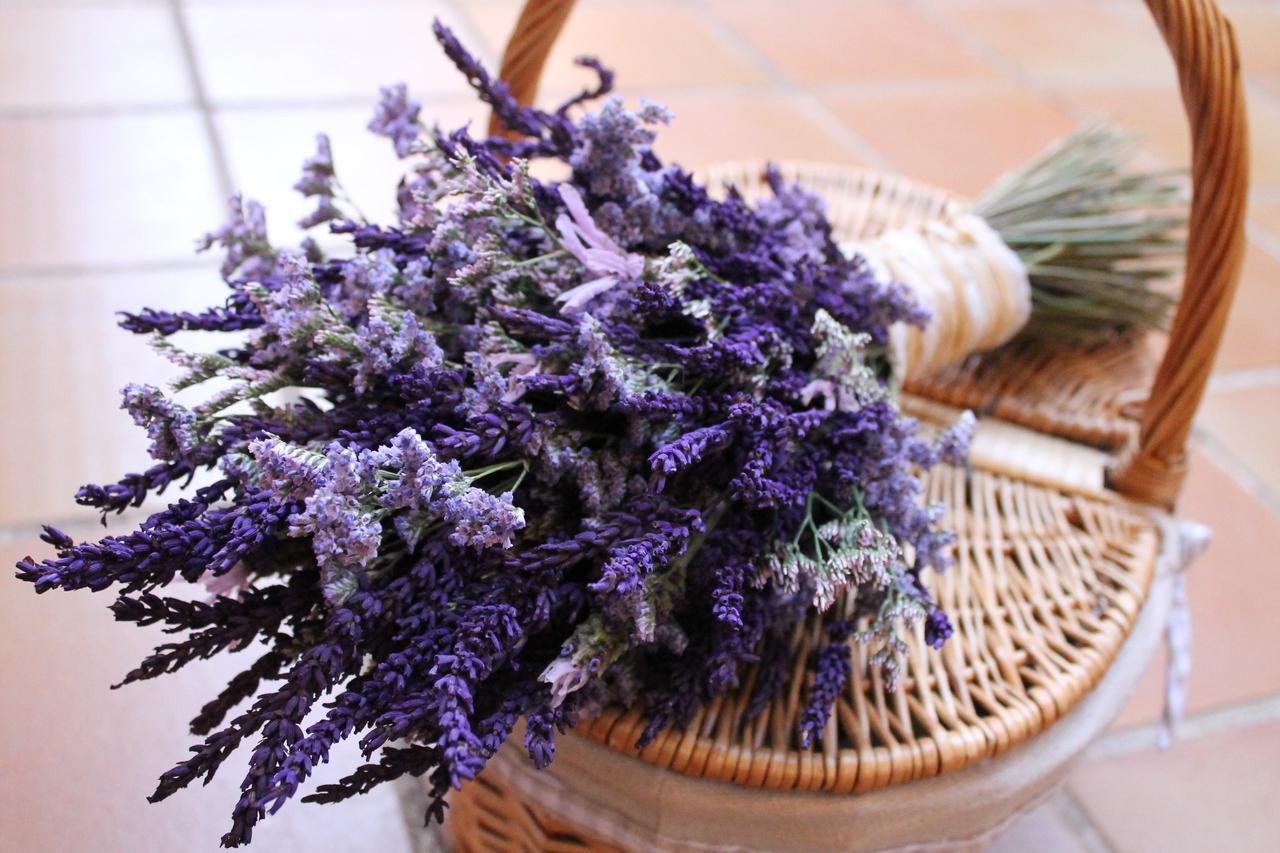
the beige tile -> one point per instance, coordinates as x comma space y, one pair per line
1157, 114
80, 759
865, 42
654, 45
1242, 421
1070, 42
1146, 705
1215, 793
309, 52
1266, 215
1257, 27
716, 128
1232, 589
1252, 337
961, 141
66, 361
55, 56
266, 148
104, 190
1043, 830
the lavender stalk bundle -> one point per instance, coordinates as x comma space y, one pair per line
529, 449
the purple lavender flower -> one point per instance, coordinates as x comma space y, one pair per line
317, 170
244, 237
481, 520
171, 428
506, 456
397, 118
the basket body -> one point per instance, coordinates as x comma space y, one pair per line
1054, 563
593, 798
1051, 573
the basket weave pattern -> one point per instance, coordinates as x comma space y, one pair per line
1048, 578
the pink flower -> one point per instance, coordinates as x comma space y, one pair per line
523, 364
595, 249
229, 584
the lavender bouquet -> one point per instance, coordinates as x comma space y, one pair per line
529, 449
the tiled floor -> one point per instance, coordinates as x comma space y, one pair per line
123, 124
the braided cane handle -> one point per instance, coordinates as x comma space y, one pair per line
1203, 45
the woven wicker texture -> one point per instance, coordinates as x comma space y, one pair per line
1045, 588
1203, 46
1049, 576
488, 817
1089, 393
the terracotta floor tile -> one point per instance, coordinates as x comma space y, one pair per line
1215, 793
55, 56
659, 44
960, 141
1232, 589
828, 42
1157, 114
104, 190
60, 423
724, 127
1244, 422
80, 758
1146, 704
1042, 830
310, 52
1257, 26
1266, 215
1252, 338
266, 148
1071, 41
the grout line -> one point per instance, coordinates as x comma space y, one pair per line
1244, 378
90, 111
1263, 239
365, 101
72, 270
1046, 89
221, 168
1088, 833
472, 35
1236, 468
810, 103
1204, 724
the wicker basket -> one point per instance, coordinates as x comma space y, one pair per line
1057, 522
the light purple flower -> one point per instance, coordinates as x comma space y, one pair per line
953, 443
244, 236
171, 427
596, 250
481, 520
420, 476
317, 170
396, 118
228, 584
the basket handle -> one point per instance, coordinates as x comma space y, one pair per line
1203, 45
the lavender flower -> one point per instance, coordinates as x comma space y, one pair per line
397, 118
481, 520
596, 251
172, 428
506, 457
244, 237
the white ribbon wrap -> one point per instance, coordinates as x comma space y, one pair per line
973, 285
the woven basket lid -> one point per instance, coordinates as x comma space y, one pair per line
1051, 571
